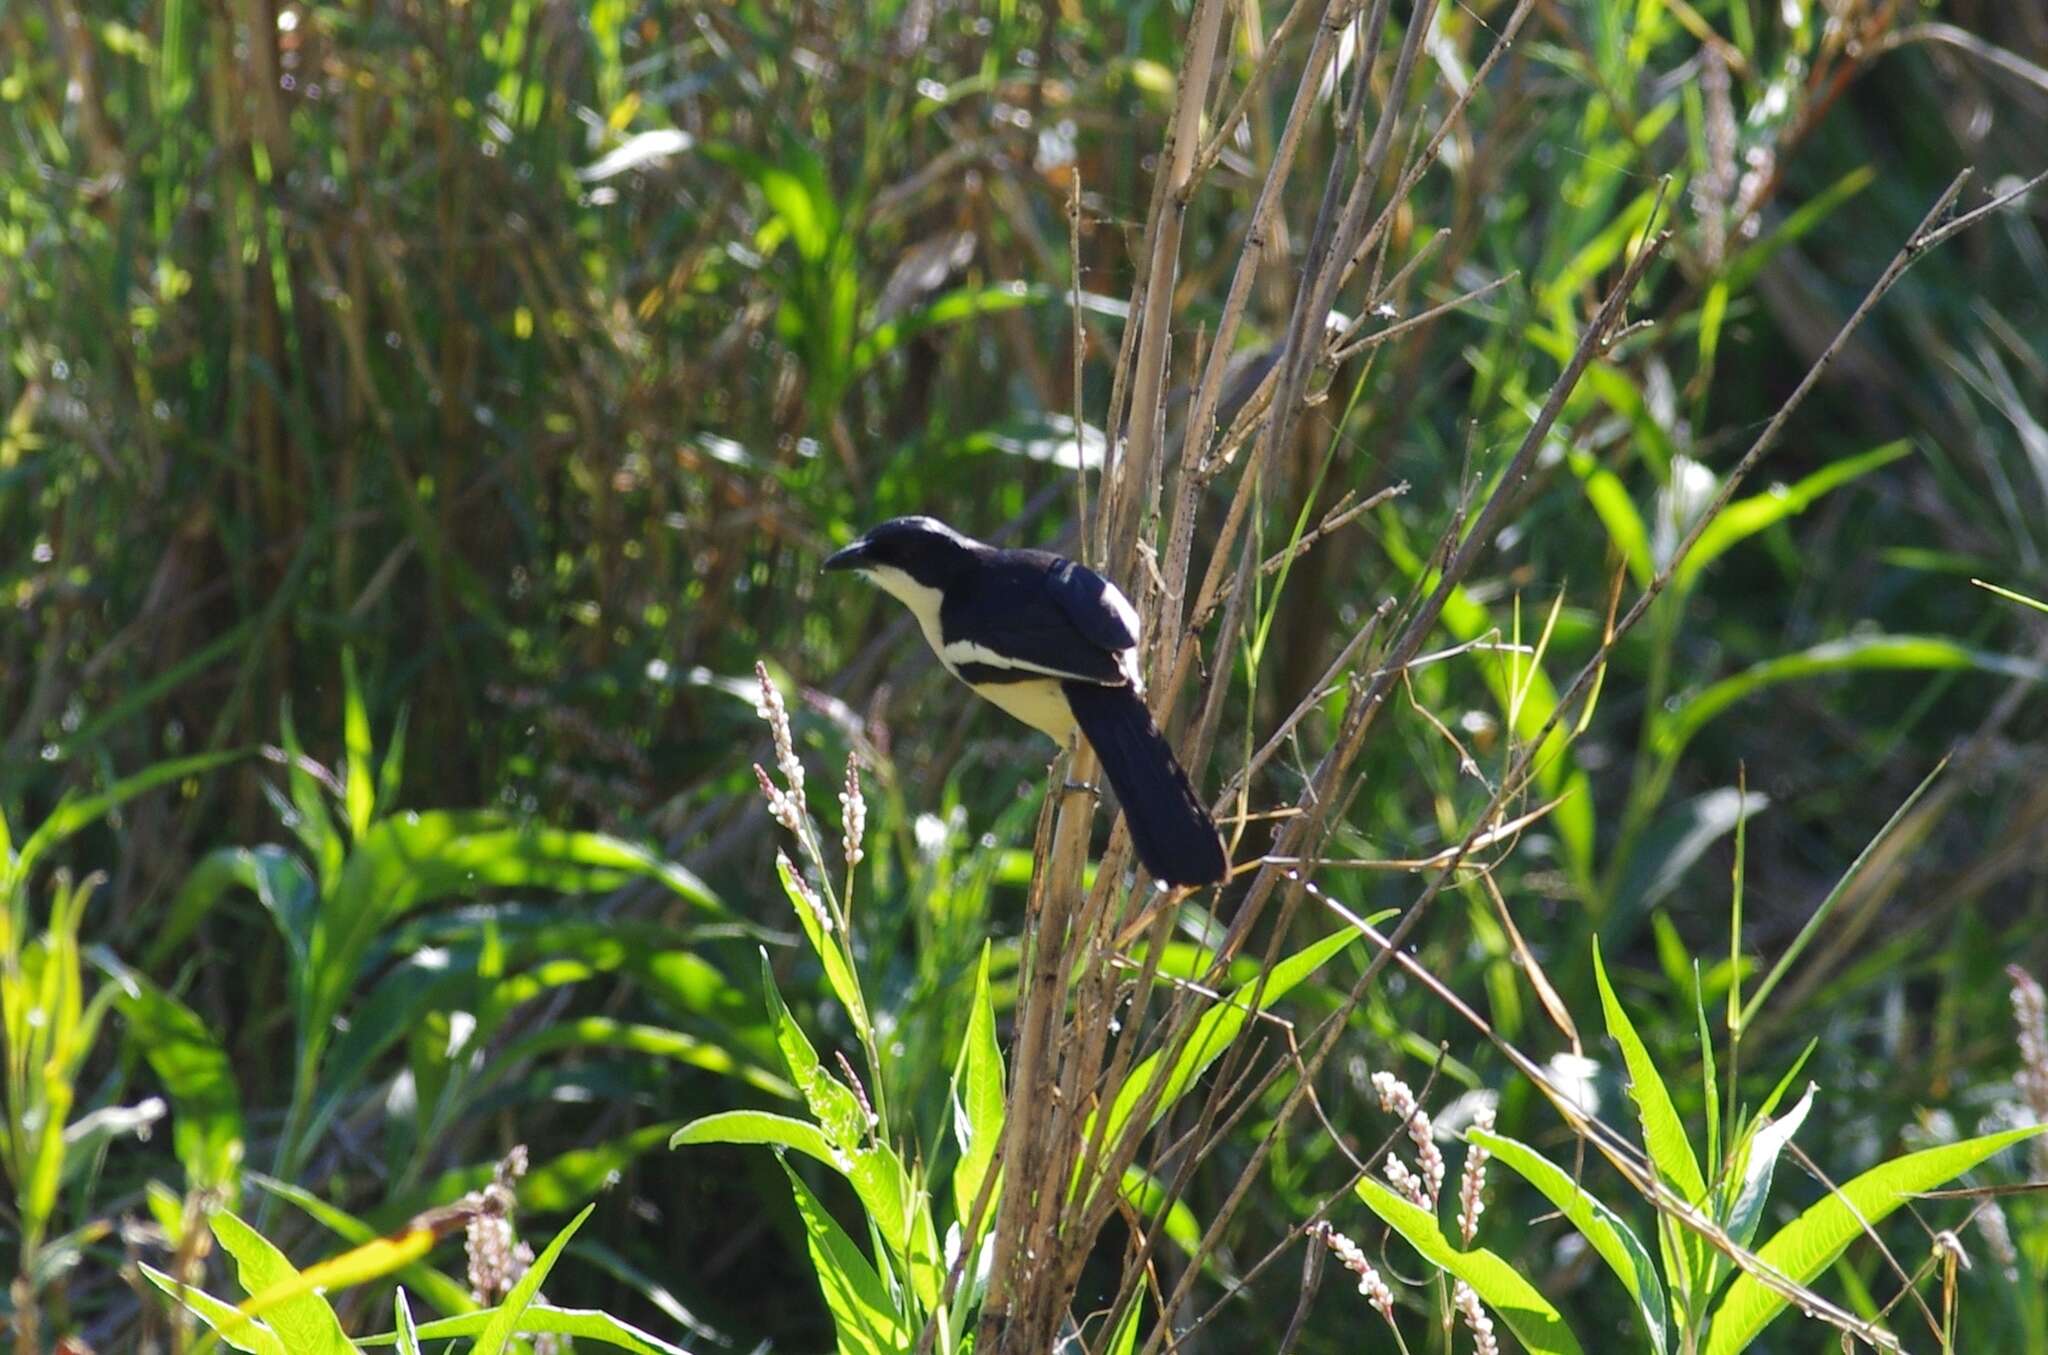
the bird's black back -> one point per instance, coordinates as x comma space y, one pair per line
1042, 609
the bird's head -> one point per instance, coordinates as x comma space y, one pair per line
907, 555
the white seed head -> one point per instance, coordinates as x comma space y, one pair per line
804, 892
853, 813
1472, 1182
771, 709
1484, 1342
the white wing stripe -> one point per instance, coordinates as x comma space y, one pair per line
957, 652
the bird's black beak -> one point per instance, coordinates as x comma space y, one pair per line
851, 557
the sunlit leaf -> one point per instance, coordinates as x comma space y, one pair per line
1535, 1323
1808, 1245
509, 1316
1605, 1232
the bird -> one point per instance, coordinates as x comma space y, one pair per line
1055, 645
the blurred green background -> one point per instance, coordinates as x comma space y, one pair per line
531, 355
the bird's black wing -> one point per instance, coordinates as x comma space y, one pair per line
1093, 604
1035, 614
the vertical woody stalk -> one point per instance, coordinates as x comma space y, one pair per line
1023, 1305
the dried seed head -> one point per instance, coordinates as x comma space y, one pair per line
497, 1259
853, 812
1484, 1342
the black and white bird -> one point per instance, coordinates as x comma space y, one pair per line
1054, 644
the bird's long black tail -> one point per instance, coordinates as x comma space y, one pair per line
1174, 835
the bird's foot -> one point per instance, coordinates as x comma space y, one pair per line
1088, 788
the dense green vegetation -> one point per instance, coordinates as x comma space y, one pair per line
418, 420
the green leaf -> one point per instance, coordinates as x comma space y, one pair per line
1499, 1285
359, 788
845, 984
1212, 1033
1610, 1238
1663, 1132
509, 1316
242, 1333
1616, 510
1142, 1191
1809, 1244
409, 860
405, 1334
837, 1109
951, 308
582, 1324
76, 812
1742, 270
602, 1032
1746, 517
759, 1126
206, 1103
1124, 1339
1679, 838
303, 1321
278, 879
444, 1293
899, 1212
862, 1313
2036, 603
977, 1101
1757, 1161
1855, 654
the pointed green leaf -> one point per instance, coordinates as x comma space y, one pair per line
1757, 1161
359, 789
444, 1293
977, 1101
582, 1324
1213, 1033
1746, 517
862, 1313
837, 1109
405, 1334
303, 1321
508, 1317
1610, 1238
206, 1103
758, 1126
1809, 1244
1663, 1132
76, 812
235, 1330
845, 984
1672, 731
1499, 1285
278, 879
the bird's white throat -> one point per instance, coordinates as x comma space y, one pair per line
922, 599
